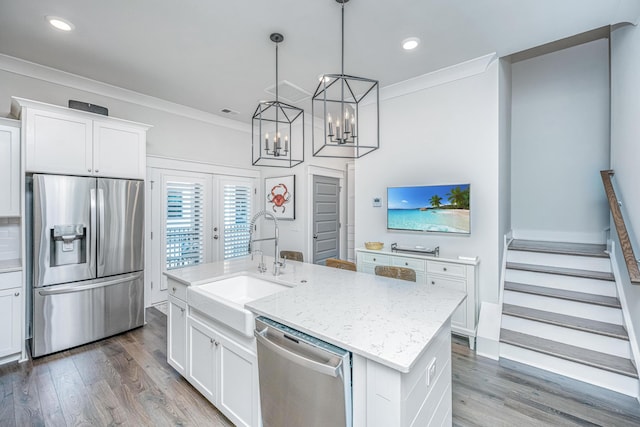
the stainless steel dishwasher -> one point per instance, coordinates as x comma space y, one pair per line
304, 381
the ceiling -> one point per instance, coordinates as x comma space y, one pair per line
211, 55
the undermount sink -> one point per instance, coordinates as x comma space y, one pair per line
224, 300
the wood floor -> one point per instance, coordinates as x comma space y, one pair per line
125, 380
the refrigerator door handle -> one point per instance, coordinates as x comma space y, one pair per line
91, 250
100, 231
56, 290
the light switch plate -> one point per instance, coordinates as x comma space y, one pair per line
377, 202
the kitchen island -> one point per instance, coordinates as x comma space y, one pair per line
398, 333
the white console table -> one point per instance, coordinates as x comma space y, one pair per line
435, 271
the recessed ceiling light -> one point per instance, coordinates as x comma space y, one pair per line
60, 23
410, 43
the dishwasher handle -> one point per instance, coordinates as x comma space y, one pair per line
322, 368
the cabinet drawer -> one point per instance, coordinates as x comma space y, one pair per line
177, 289
453, 270
10, 280
376, 259
415, 264
458, 285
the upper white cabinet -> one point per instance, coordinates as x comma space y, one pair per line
9, 168
64, 141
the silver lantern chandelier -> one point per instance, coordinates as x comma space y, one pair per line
345, 113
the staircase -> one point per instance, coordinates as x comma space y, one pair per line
561, 313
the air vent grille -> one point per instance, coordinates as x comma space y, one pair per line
288, 92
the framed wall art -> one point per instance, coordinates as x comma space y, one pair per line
280, 198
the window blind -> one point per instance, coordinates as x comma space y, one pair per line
237, 217
185, 224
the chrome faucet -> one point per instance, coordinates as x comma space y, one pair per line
276, 262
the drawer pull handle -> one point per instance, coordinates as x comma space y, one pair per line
181, 310
17, 294
433, 282
406, 263
88, 170
444, 268
174, 289
374, 259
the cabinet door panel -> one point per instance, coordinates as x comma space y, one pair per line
57, 143
9, 171
118, 150
239, 383
177, 334
201, 365
10, 332
459, 317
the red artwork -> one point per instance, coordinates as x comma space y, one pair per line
279, 196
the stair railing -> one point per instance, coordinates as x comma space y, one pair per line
618, 220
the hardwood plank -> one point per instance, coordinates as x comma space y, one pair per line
26, 399
561, 271
601, 300
49, 402
77, 408
581, 355
572, 322
563, 248
7, 411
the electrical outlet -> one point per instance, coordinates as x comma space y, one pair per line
431, 372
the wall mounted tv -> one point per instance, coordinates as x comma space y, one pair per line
436, 208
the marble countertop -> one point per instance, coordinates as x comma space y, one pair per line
385, 320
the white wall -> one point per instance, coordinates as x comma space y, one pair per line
560, 143
625, 148
444, 131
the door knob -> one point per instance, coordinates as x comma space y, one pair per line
315, 236
215, 236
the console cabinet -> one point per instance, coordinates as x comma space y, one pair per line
65, 141
456, 274
9, 168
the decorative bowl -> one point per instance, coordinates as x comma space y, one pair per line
376, 246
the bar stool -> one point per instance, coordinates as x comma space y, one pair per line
292, 255
341, 264
402, 273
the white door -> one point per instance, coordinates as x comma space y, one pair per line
184, 225
232, 216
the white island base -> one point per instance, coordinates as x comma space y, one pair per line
384, 397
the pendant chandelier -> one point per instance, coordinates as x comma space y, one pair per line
278, 129
341, 127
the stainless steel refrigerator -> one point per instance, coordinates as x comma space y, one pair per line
88, 259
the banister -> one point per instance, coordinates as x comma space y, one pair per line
621, 228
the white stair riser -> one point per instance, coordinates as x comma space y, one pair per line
570, 308
558, 260
609, 380
590, 341
577, 284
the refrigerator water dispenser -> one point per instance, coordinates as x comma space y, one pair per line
68, 244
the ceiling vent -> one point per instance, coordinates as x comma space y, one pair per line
289, 92
229, 111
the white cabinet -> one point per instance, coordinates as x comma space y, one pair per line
71, 142
177, 334
455, 274
9, 168
225, 372
11, 300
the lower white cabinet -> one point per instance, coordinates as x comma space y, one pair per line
177, 334
224, 371
11, 321
455, 274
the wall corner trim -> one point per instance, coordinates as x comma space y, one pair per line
51, 75
439, 77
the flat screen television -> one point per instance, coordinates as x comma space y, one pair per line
435, 208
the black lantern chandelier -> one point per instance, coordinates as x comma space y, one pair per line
345, 110
278, 129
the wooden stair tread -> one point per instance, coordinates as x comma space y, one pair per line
601, 275
583, 249
563, 294
572, 322
615, 364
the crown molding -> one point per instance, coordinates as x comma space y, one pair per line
51, 75
439, 77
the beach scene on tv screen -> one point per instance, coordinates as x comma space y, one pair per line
439, 208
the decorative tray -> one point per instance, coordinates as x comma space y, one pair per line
416, 250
